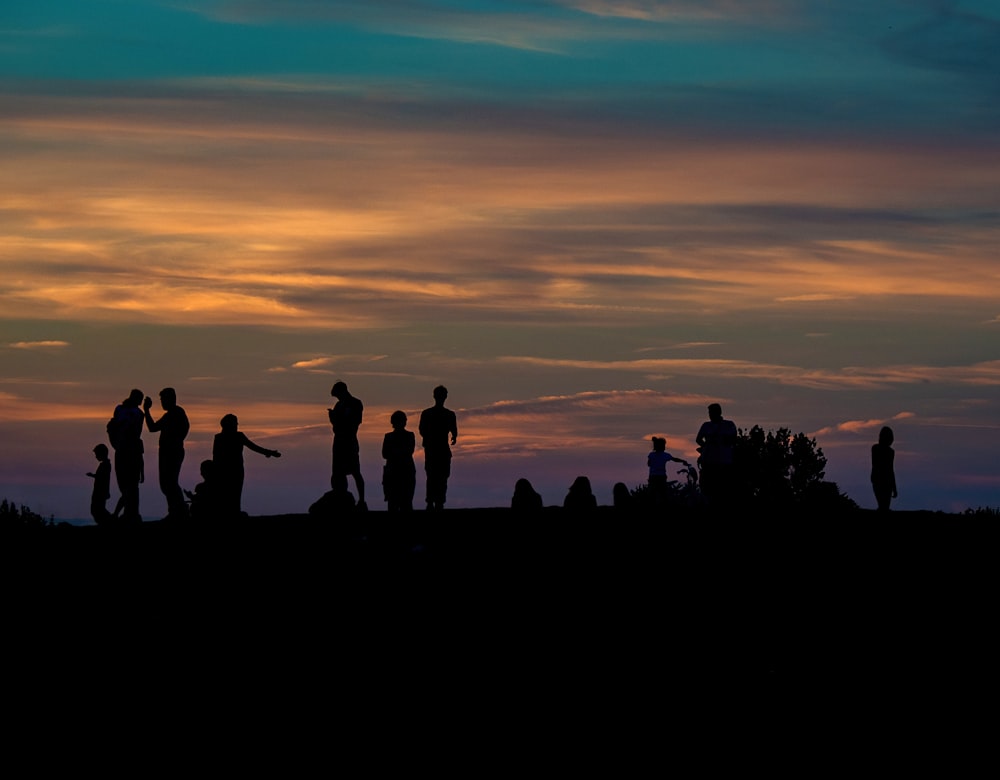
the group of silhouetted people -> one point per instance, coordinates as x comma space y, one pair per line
716, 472
438, 429
219, 494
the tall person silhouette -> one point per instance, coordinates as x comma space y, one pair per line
884, 470
173, 426
437, 424
716, 441
125, 434
345, 418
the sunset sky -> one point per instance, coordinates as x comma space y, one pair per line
587, 218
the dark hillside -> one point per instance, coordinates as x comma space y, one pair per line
488, 604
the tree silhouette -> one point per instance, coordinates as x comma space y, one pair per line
778, 468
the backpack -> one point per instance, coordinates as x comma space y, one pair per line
114, 432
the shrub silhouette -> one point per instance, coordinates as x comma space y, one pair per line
12, 517
678, 494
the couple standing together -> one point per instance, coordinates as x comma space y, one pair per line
438, 430
125, 435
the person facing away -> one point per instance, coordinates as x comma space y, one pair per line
580, 495
883, 469
399, 474
173, 427
716, 441
525, 496
102, 486
657, 461
227, 455
125, 433
345, 419
438, 426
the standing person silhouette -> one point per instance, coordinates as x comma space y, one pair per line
716, 441
345, 418
883, 469
102, 486
173, 426
399, 475
657, 461
228, 472
125, 434
437, 423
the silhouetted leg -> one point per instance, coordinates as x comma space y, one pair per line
127, 469
170, 474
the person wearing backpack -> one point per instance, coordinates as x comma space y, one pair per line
125, 436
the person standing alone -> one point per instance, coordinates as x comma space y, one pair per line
437, 426
173, 426
884, 470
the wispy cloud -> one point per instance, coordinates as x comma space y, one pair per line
861, 426
50, 344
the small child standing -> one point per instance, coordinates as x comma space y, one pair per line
657, 461
102, 486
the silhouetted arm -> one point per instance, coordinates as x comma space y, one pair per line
262, 450
153, 425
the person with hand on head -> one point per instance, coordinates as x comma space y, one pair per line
173, 427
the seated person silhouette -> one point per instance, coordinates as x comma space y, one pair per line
525, 496
580, 496
205, 498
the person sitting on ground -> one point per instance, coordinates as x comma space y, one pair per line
580, 495
205, 499
525, 496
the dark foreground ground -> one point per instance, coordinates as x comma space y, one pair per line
607, 620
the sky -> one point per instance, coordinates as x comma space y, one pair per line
588, 219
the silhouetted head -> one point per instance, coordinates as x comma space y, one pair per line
714, 412
580, 485
168, 398
398, 419
339, 390
101, 451
229, 422
885, 436
620, 493
523, 486
659, 444
207, 469
440, 393
136, 396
